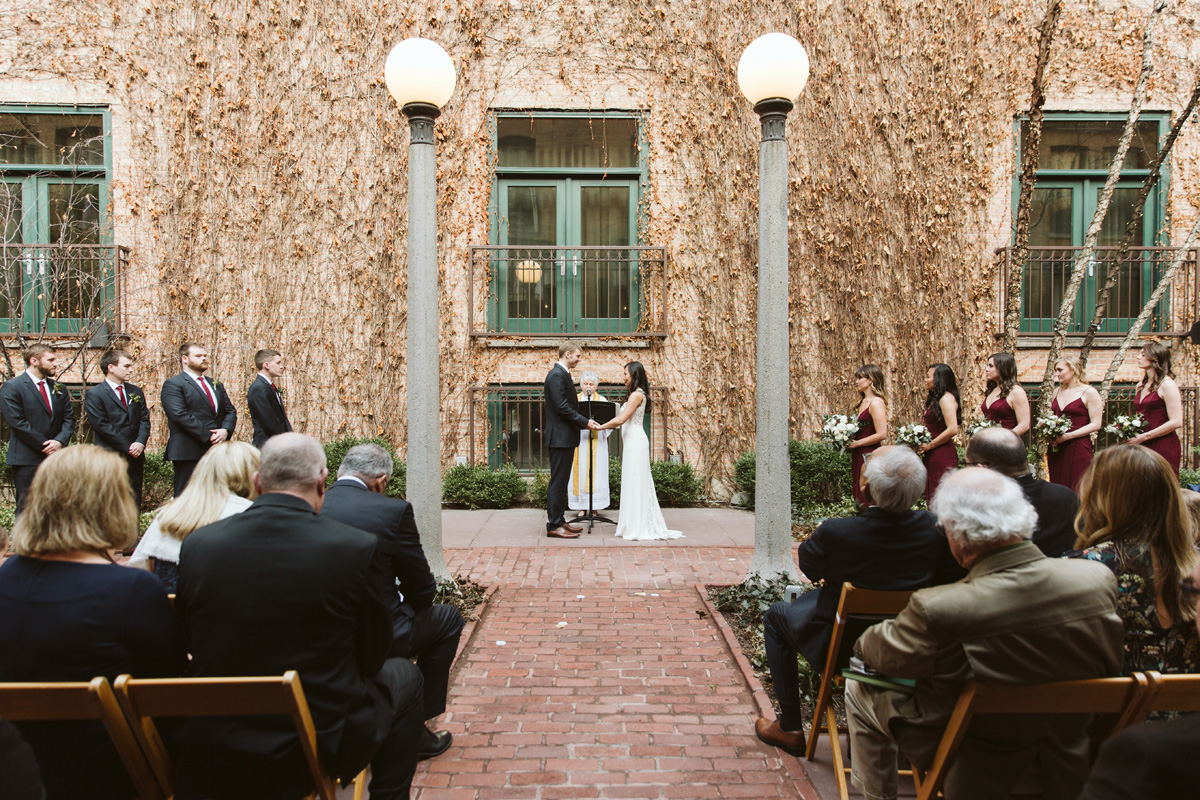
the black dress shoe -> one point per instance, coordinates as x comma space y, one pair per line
433, 744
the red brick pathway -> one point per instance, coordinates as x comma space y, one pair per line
634, 697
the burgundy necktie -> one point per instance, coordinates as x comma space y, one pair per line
121, 394
45, 396
208, 394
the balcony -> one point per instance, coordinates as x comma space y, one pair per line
526, 293
1048, 270
61, 289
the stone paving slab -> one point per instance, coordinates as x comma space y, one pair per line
526, 527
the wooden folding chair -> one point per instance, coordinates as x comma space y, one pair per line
144, 699
864, 605
1168, 693
94, 700
1121, 697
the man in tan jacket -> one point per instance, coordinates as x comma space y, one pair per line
1017, 618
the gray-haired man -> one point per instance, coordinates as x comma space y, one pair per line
420, 629
1017, 618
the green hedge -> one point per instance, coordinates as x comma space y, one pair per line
158, 480
1188, 476
336, 450
480, 487
820, 474
675, 484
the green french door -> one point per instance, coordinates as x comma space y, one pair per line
53, 275
567, 268
1059, 216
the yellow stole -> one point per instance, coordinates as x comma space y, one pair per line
581, 469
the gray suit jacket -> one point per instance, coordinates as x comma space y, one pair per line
1017, 618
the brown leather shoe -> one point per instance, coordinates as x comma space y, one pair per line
790, 742
561, 533
572, 528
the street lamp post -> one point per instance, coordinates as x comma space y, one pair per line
771, 74
420, 76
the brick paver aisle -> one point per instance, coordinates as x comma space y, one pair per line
633, 697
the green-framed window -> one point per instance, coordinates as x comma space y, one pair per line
1073, 160
566, 206
57, 260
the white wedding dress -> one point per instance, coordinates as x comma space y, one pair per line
640, 517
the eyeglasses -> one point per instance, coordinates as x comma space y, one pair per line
1189, 593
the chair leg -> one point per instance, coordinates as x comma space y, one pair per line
835, 746
360, 783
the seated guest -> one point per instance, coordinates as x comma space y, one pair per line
887, 546
221, 486
1133, 521
421, 630
276, 588
1056, 505
1155, 760
70, 614
1017, 618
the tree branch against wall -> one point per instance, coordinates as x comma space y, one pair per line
1086, 253
1029, 166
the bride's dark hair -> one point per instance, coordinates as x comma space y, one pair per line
640, 381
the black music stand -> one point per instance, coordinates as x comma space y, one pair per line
601, 411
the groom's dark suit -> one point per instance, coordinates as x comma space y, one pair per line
191, 419
561, 425
266, 411
117, 425
31, 424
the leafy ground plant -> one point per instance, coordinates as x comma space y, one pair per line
462, 593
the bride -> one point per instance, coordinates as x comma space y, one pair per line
640, 517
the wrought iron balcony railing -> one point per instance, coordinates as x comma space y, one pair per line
1048, 271
61, 288
581, 292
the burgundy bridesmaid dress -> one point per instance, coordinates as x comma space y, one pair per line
941, 459
999, 412
1074, 456
858, 456
1152, 407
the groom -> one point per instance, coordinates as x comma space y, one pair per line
561, 428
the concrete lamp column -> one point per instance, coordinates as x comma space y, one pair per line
772, 71
420, 76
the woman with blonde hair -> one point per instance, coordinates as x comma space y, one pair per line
221, 486
871, 411
1133, 520
1159, 401
71, 614
1074, 399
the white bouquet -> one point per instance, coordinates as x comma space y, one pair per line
1052, 426
913, 436
1126, 426
838, 430
979, 424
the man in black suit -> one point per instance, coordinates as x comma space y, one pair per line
39, 414
420, 629
198, 411
117, 413
264, 399
888, 546
1056, 506
561, 425
279, 587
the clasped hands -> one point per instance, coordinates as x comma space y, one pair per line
594, 426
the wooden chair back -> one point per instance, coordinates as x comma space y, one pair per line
1169, 693
855, 604
94, 700
144, 699
1119, 697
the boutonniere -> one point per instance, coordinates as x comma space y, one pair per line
58, 388
215, 382
279, 391
136, 398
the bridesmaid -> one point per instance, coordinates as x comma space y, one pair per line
943, 415
1080, 403
1006, 402
1158, 400
872, 416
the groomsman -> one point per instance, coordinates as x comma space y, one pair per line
198, 411
117, 413
264, 399
39, 414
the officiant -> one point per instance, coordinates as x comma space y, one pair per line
578, 488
